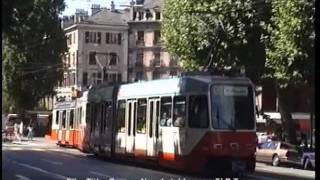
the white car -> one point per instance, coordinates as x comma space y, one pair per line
262, 137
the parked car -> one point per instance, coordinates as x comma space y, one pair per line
308, 159
277, 152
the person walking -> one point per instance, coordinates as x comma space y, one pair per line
21, 130
16, 131
30, 132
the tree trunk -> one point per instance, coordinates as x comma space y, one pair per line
285, 111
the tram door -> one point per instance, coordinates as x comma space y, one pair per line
60, 126
130, 125
67, 136
153, 117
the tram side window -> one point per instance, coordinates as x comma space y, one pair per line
88, 117
198, 112
108, 115
64, 119
57, 117
141, 116
80, 118
97, 116
166, 105
121, 121
71, 119
179, 111
151, 119
102, 117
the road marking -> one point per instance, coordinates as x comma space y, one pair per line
261, 177
288, 172
59, 176
99, 174
52, 162
20, 177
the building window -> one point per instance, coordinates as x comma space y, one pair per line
119, 77
94, 78
86, 37
140, 15
99, 78
114, 77
140, 40
74, 38
99, 38
155, 75
119, 38
139, 58
107, 38
73, 59
93, 37
69, 39
157, 36
157, 61
84, 78
113, 38
158, 16
139, 75
113, 59
92, 58
148, 14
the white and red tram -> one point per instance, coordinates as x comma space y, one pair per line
189, 123
63, 129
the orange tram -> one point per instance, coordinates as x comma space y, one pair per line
191, 123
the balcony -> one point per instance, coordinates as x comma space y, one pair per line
156, 63
156, 42
138, 64
140, 43
173, 63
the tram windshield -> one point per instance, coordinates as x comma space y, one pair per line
232, 107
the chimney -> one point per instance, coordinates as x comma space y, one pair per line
112, 6
132, 3
95, 8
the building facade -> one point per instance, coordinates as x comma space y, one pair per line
148, 58
97, 49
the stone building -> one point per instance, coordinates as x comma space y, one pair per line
97, 49
148, 58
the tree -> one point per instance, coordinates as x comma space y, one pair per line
208, 34
290, 53
33, 45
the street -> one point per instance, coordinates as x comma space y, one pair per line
41, 159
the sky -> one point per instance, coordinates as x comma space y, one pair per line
72, 5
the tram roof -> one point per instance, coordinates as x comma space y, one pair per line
197, 84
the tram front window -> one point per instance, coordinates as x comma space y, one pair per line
232, 107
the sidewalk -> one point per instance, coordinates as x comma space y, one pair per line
37, 141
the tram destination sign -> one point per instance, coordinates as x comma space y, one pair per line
64, 105
235, 91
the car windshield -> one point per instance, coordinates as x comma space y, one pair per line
232, 107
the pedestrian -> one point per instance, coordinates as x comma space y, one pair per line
21, 129
30, 132
16, 131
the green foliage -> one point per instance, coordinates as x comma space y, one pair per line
216, 34
33, 45
290, 47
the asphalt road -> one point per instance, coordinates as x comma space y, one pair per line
39, 160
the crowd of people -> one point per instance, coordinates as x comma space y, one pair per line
18, 130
